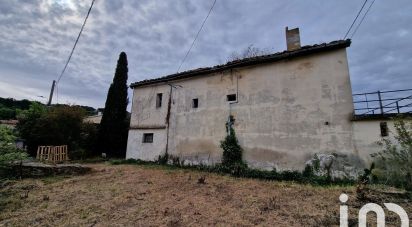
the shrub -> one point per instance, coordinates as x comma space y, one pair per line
87, 141
394, 161
232, 151
175, 160
79, 154
308, 172
367, 174
9, 107
27, 125
127, 161
8, 151
55, 126
163, 159
7, 113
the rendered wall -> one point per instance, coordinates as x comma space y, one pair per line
286, 112
136, 149
366, 135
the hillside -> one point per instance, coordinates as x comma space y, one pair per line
9, 107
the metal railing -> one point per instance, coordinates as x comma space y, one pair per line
383, 102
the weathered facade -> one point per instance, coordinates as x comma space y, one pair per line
287, 107
368, 132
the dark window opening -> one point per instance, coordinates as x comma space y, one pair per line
231, 98
384, 129
195, 103
159, 100
147, 137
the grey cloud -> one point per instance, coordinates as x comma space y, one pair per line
37, 37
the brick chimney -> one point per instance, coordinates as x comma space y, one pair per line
292, 39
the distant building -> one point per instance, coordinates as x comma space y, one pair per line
95, 119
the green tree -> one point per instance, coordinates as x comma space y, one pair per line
112, 138
59, 125
87, 141
9, 107
7, 113
28, 123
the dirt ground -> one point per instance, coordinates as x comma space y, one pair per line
130, 195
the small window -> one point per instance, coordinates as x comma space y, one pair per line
384, 129
147, 137
195, 103
159, 100
231, 98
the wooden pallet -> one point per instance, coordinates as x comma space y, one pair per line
54, 154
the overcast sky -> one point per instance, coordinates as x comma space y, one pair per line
36, 38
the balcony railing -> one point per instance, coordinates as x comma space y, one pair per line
383, 102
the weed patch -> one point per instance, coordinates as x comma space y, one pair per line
241, 170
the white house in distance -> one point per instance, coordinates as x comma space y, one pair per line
287, 107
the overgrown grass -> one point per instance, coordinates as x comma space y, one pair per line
90, 160
54, 179
11, 197
243, 171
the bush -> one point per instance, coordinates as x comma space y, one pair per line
87, 141
232, 151
308, 172
57, 125
8, 151
7, 113
175, 160
394, 161
9, 107
163, 159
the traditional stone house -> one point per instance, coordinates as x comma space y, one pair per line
287, 107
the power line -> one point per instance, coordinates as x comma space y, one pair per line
75, 43
356, 29
194, 40
355, 20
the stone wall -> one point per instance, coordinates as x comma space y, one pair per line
37, 169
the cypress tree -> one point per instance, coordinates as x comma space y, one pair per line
112, 138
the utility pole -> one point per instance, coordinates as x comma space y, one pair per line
51, 93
